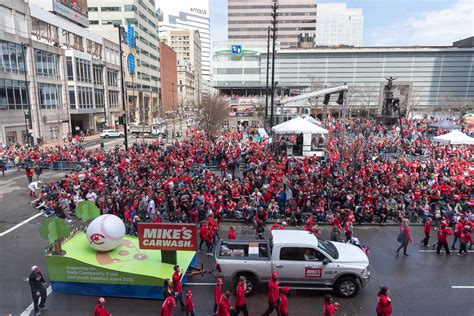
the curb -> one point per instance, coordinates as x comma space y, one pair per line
329, 224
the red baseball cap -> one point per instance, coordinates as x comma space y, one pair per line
285, 289
274, 275
219, 281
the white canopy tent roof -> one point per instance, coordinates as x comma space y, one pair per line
298, 125
312, 120
454, 138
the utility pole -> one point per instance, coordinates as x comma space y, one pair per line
175, 114
274, 23
268, 68
28, 120
122, 85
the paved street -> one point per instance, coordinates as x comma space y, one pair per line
420, 285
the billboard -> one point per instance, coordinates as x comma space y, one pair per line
166, 236
74, 10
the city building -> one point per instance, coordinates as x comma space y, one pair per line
339, 25
187, 45
186, 86
249, 20
169, 80
191, 15
428, 79
60, 91
143, 83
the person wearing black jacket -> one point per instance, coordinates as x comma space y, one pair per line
38, 290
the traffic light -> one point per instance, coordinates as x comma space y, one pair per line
122, 119
327, 97
340, 99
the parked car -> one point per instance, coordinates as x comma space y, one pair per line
107, 133
300, 259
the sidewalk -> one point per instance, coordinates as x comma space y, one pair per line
60, 142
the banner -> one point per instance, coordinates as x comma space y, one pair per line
165, 236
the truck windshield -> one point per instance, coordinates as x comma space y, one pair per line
328, 248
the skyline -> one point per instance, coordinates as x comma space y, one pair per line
421, 22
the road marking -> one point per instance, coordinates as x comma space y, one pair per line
462, 287
20, 224
30, 308
442, 251
200, 284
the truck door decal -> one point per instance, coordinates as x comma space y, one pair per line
312, 272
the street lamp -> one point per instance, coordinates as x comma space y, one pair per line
172, 104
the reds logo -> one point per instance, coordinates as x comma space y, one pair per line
97, 239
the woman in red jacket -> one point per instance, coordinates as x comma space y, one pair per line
404, 237
384, 303
283, 306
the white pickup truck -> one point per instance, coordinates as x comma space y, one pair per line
300, 259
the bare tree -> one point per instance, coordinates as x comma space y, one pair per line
415, 100
213, 112
367, 95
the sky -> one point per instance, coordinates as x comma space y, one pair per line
391, 22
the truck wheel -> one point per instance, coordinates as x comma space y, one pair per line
251, 283
347, 287
106, 136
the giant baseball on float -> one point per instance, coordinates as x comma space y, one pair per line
106, 232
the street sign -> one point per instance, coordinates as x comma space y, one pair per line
236, 49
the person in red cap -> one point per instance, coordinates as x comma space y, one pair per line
168, 305
273, 294
177, 287
217, 294
283, 306
240, 304
443, 233
224, 307
464, 239
384, 303
231, 234
100, 308
330, 307
189, 303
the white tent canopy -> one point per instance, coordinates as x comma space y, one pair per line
454, 138
298, 125
312, 120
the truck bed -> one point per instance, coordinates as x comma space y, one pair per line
243, 250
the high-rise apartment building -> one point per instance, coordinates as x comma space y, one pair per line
191, 15
143, 84
249, 20
339, 25
187, 45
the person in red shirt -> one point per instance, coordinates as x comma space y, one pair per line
177, 287
384, 303
464, 239
217, 293
283, 306
100, 308
427, 231
224, 305
443, 234
189, 303
240, 304
330, 307
458, 227
202, 234
273, 294
168, 305
231, 234
404, 237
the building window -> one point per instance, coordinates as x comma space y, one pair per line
11, 137
130, 8
84, 98
99, 98
98, 76
72, 98
46, 64
113, 99
12, 57
93, 22
83, 70
13, 95
49, 95
110, 9
92, 9
112, 78
111, 22
70, 72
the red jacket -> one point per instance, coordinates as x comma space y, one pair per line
443, 234
384, 306
203, 232
231, 235
223, 308
177, 287
329, 309
217, 294
167, 307
189, 304
466, 237
427, 227
406, 231
273, 291
101, 311
240, 295
458, 229
283, 306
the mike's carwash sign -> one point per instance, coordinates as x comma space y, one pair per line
165, 236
